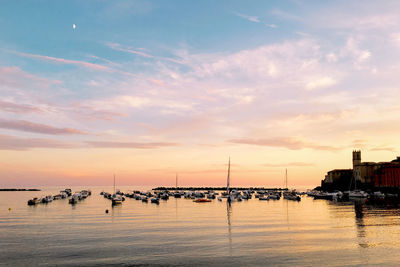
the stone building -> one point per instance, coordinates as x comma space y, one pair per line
364, 175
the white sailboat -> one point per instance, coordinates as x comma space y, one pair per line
116, 199
290, 195
228, 189
356, 193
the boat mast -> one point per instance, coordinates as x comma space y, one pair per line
286, 179
176, 181
228, 180
114, 183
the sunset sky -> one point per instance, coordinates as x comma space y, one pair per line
147, 89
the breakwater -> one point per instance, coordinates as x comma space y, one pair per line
18, 189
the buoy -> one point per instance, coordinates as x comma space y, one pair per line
9, 209
106, 211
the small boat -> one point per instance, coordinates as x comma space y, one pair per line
145, 199
291, 196
33, 201
264, 198
68, 191
358, 194
274, 196
201, 200
211, 196
73, 199
164, 197
155, 201
47, 199
57, 197
116, 200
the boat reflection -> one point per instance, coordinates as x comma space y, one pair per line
228, 214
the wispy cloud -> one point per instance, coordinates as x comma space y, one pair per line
111, 144
139, 52
247, 17
290, 164
78, 63
118, 47
8, 142
285, 142
390, 149
18, 108
15, 77
31, 127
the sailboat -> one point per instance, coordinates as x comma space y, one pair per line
177, 194
116, 199
228, 189
357, 193
290, 195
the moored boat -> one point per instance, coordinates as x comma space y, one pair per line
33, 201
201, 200
155, 201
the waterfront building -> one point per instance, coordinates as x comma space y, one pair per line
337, 179
388, 175
365, 175
363, 172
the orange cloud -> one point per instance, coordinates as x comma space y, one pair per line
109, 144
286, 142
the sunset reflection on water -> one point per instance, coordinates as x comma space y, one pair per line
178, 231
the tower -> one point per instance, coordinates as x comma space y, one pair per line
356, 158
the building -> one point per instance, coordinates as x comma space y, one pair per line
388, 176
364, 175
338, 179
363, 172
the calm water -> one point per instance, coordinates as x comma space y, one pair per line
180, 232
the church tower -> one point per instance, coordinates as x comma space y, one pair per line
356, 158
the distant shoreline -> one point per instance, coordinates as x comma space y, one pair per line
18, 189
218, 188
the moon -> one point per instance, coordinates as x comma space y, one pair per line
73, 26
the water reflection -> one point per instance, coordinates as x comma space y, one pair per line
361, 231
375, 225
228, 214
266, 233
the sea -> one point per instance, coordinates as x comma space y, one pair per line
179, 232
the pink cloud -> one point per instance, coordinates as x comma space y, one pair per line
8, 142
27, 126
18, 108
79, 63
286, 142
110, 144
15, 77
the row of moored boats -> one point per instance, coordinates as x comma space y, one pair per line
200, 196
73, 198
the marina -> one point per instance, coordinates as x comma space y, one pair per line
199, 133
179, 230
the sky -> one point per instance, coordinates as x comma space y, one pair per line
148, 89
